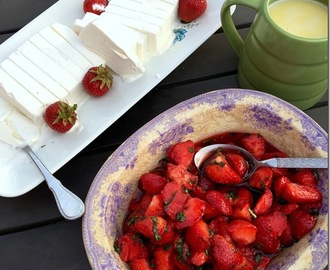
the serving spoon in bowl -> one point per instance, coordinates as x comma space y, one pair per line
314, 163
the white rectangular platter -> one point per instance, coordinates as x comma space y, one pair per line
18, 174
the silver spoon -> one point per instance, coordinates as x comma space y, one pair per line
253, 164
70, 205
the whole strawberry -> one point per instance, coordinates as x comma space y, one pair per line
60, 116
97, 81
95, 6
190, 10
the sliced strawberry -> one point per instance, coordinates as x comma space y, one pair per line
182, 153
131, 219
145, 201
242, 232
152, 183
238, 163
288, 208
130, 246
205, 183
219, 171
302, 222
156, 207
230, 192
270, 227
286, 237
151, 227
244, 195
198, 236
162, 258
180, 175
199, 258
296, 193
264, 202
219, 226
192, 211
219, 201
306, 177
279, 185
261, 178
174, 199
263, 263
210, 212
243, 212
225, 253
255, 144
181, 255
140, 264
312, 208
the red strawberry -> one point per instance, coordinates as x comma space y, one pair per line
305, 177
152, 183
261, 178
255, 144
288, 208
162, 258
174, 199
131, 219
244, 196
190, 10
140, 264
97, 81
219, 171
192, 211
179, 174
219, 201
302, 222
279, 185
242, 232
199, 258
156, 207
243, 212
219, 226
198, 236
264, 202
270, 227
129, 247
95, 6
286, 237
225, 253
182, 153
181, 255
238, 163
296, 193
60, 116
151, 227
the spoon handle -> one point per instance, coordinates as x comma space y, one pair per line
70, 205
316, 163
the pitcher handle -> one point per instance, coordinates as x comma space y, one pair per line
228, 25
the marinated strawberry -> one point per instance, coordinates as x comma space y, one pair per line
180, 175
152, 183
140, 264
174, 199
219, 201
264, 202
261, 178
296, 193
302, 222
190, 10
156, 207
182, 153
255, 144
162, 258
60, 116
95, 6
238, 163
193, 210
306, 177
130, 247
198, 236
97, 81
242, 232
151, 227
219, 171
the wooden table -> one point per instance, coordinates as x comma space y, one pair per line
33, 235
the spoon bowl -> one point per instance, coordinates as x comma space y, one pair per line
206, 152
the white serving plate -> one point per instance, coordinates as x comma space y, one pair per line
18, 173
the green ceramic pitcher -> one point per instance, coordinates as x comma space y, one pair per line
272, 60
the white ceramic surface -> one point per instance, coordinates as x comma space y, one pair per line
282, 124
95, 114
